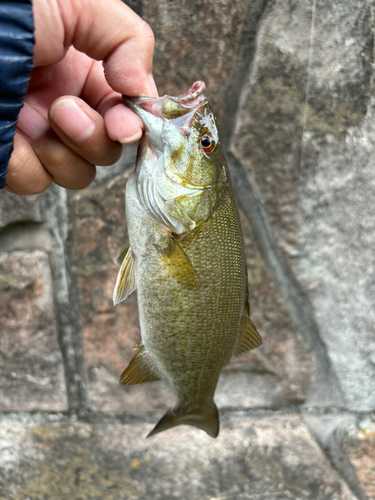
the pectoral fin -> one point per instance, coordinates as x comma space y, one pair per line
125, 283
176, 262
140, 369
249, 337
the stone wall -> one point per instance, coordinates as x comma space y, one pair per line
292, 84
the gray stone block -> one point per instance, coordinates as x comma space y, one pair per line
195, 41
305, 135
269, 458
31, 369
15, 209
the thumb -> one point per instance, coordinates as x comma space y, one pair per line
106, 30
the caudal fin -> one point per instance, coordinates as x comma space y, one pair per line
207, 421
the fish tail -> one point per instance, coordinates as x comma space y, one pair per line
207, 421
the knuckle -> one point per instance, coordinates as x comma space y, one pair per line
37, 187
26, 174
112, 156
55, 154
147, 35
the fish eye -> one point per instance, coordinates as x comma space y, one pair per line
207, 143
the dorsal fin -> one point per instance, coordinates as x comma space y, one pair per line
125, 283
249, 337
140, 370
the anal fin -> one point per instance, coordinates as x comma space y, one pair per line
140, 370
249, 337
125, 282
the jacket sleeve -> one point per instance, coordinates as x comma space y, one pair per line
16, 63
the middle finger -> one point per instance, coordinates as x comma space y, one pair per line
66, 167
83, 130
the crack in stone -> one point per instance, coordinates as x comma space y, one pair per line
245, 57
329, 435
66, 299
325, 388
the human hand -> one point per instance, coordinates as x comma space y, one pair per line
73, 116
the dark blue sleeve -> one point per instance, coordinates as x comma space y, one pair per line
16, 63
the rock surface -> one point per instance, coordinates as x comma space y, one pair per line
359, 448
31, 369
253, 458
305, 135
15, 209
279, 372
195, 40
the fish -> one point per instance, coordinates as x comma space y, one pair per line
185, 258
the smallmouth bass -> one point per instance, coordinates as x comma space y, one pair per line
185, 258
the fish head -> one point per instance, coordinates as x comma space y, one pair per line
180, 158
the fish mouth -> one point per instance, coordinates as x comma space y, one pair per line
168, 106
156, 112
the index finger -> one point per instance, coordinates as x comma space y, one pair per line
106, 30
112, 32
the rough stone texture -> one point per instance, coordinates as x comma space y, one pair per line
253, 459
195, 40
15, 209
336, 233
125, 163
306, 140
31, 370
269, 129
359, 447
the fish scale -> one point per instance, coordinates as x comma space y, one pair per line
187, 259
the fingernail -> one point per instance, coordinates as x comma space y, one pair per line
154, 90
133, 138
30, 123
72, 120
